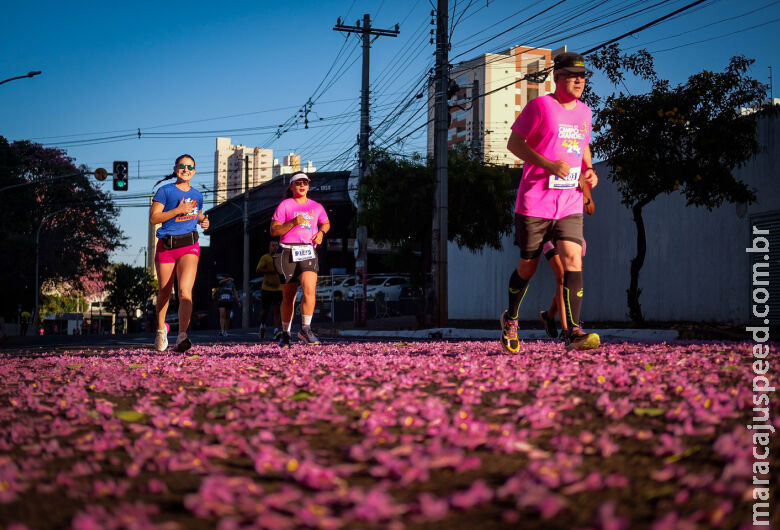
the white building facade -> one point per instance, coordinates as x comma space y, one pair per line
230, 166
290, 164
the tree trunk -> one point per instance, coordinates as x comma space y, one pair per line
633, 291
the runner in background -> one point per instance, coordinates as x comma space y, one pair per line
226, 295
271, 291
548, 317
301, 224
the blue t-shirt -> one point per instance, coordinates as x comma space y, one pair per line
170, 196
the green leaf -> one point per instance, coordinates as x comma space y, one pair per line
685, 454
218, 412
301, 394
135, 365
649, 366
664, 490
731, 367
74, 366
221, 390
192, 357
649, 411
132, 416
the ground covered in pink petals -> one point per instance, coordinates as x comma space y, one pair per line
381, 435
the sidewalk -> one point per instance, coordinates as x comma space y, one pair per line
653, 335
405, 328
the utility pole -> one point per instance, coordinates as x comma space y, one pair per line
441, 109
361, 238
245, 300
476, 149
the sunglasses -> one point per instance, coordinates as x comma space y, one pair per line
185, 166
301, 183
582, 75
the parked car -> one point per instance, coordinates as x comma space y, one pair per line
390, 286
198, 320
256, 289
338, 291
410, 292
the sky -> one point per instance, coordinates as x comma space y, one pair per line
185, 73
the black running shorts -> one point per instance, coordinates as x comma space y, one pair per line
271, 298
290, 271
532, 232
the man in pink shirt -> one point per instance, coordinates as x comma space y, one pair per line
552, 136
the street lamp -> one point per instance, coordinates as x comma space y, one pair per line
37, 239
29, 74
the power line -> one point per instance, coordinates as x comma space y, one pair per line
716, 37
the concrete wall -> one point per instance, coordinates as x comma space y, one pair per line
696, 267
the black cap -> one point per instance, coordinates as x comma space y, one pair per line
570, 62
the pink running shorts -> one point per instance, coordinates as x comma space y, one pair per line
171, 256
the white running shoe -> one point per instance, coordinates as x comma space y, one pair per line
161, 340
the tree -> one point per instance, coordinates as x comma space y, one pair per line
44, 188
398, 195
685, 139
128, 288
51, 303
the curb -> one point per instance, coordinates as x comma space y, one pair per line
656, 335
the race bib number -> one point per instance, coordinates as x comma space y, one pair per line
302, 253
225, 297
571, 181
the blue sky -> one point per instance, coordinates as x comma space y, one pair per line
192, 71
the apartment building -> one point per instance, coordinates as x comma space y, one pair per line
484, 124
290, 164
230, 166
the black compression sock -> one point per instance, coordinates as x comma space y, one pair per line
517, 290
572, 297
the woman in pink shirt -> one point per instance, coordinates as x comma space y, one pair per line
301, 225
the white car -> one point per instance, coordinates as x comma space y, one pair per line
337, 291
389, 286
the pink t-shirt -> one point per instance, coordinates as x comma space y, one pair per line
557, 134
313, 213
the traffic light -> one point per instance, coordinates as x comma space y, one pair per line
120, 175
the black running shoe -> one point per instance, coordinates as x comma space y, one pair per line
577, 339
308, 336
183, 346
549, 324
284, 341
509, 340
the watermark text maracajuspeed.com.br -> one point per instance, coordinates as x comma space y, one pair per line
762, 422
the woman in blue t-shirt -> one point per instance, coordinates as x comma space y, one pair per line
179, 208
